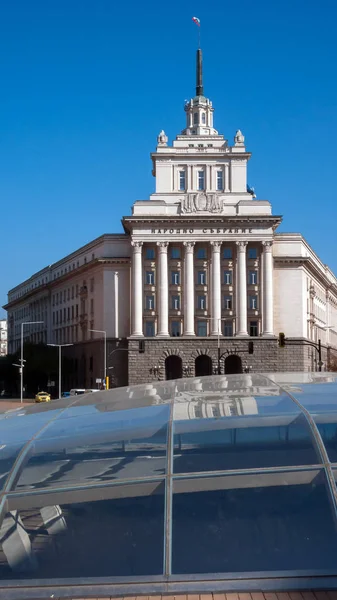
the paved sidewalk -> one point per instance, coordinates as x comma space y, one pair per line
13, 403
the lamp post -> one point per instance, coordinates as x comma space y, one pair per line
218, 336
104, 369
21, 359
60, 346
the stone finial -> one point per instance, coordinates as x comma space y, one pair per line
239, 138
162, 138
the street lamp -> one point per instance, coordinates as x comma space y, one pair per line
219, 333
104, 334
21, 359
60, 346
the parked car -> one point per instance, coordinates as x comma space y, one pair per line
42, 397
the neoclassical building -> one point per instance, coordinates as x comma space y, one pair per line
199, 274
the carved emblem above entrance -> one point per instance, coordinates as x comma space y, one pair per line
201, 202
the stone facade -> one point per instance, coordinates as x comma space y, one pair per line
267, 356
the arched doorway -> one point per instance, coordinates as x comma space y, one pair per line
203, 365
173, 367
233, 364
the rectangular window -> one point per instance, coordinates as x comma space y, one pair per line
227, 277
201, 302
201, 180
72, 312
201, 253
219, 181
72, 292
228, 328
149, 277
53, 318
64, 315
176, 302
175, 278
92, 306
252, 302
150, 253
195, 118
227, 253
149, 302
175, 328
182, 181
201, 277
252, 253
175, 253
64, 295
76, 310
227, 302
252, 277
149, 329
202, 328
253, 330
68, 314
91, 363
60, 316
76, 290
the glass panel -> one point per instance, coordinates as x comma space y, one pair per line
8, 456
114, 531
238, 431
24, 423
88, 448
270, 522
327, 426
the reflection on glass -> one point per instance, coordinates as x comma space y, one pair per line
8, 456
234, 434
97, 448
327, 426
277, 524
96, 538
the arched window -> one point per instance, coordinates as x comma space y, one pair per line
195, 118
203, 118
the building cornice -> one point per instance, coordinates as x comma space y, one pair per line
105, 237
311, 266
273, 221
47, 287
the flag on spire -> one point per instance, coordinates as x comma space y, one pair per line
196, 21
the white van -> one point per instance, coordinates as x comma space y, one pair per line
79, 391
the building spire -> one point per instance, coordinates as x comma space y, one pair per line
200, 87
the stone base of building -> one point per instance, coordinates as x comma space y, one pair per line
159, 359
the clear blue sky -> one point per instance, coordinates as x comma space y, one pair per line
87, 85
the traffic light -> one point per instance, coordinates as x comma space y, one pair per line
281, 340
250, 347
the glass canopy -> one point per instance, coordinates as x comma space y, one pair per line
220, 476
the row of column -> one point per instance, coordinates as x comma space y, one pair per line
163, 312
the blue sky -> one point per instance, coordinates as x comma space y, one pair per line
86, 86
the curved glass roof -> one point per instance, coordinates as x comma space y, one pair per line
224, 476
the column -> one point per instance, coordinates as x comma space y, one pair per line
163, 290
242, 289
226, 188
189, 289
216, 289
268, 299
137, 290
